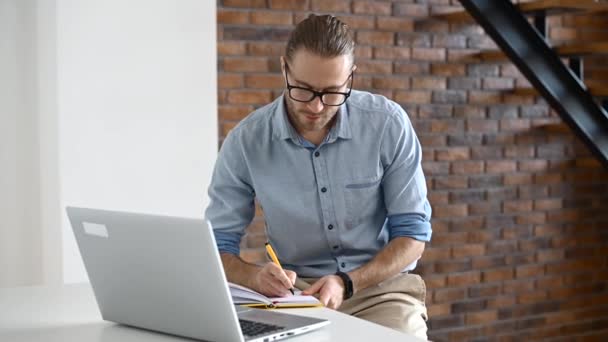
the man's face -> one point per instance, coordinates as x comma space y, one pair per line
307, 70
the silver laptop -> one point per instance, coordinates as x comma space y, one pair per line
165, 274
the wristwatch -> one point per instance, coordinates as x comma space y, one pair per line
348, 284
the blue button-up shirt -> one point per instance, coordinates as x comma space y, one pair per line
329, 207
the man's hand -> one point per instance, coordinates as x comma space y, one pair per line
330, 289
273, 281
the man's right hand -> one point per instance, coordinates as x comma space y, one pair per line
273, 281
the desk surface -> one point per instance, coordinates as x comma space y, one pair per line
70, 313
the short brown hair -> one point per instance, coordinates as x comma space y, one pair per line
323, 35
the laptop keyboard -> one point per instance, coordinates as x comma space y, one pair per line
251, 328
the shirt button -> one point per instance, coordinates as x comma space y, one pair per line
317, 154
323, 189
342, 265
330, 227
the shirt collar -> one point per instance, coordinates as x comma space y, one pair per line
282, 128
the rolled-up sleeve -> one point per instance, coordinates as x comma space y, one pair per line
404, 185
231, 207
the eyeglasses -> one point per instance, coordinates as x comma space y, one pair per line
328, 98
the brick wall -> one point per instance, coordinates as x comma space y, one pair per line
519, 204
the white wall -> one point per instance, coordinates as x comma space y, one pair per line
20, 238
123, 96
137, 104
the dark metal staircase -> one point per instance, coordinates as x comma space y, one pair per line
525, 44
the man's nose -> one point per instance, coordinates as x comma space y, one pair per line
316, 105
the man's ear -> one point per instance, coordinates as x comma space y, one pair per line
354, 67
282, 58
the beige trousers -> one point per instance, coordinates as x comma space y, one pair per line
397, 303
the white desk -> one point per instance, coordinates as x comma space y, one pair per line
70, 313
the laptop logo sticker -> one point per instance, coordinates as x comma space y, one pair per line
95, 229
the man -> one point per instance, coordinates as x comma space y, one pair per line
338, 175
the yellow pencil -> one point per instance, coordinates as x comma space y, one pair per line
274, 258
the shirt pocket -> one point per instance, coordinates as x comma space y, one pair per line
362, 199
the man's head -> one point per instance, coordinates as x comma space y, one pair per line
319, 57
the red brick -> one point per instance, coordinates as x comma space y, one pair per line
249, 96
526, 271
265, 49
484, 97
517, 206
438, 309
291, 5
435, 282
374, 67
395, 24
244, 3
225, 16
481, 317
390, 82
226, 81
256, 64
358, 21
463, 278
448, 295
234, 113
434, 254
448, 239
514, 124
227, 48
548, 178
431, 83
532, 297
562, 33
470, 250
411, 97
548, 204
363, 52
501, 166
450, 69
454, 210
482, 126
374, 8
227, 127
391, 52
451, 182
264, 81
532, 165
446, 126
499, 274
412, 68
410, 10
438, 198
532, 218
453, 153
517, 178
270, 18
497, 83
375, 37
501, 302
332, 6
428, 54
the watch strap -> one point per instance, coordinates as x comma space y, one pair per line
348, 284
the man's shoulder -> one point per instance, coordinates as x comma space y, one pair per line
371, 108
368, 102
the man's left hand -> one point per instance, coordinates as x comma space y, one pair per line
330, 290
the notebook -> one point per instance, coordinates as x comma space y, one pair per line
245, 296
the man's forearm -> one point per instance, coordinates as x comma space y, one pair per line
239, 271
391, 260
